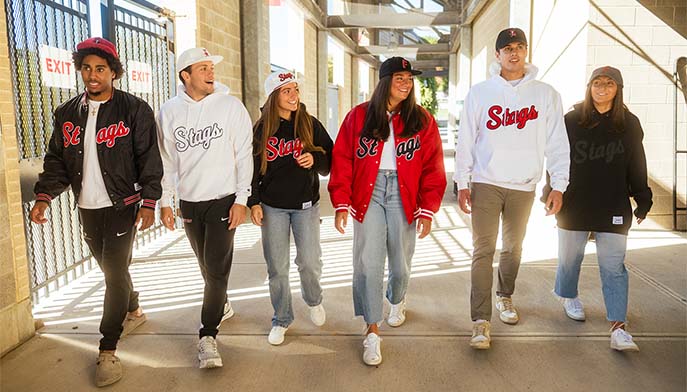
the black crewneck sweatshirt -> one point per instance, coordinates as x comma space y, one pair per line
285, 184
606, 169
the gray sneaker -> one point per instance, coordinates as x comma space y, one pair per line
622, 341
507, 312
132, 322
481, 335
573, 308
227, 314
208, 354
108, 369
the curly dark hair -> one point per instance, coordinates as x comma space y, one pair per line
113, 62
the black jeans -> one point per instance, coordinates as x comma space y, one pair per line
110, 235
207, 227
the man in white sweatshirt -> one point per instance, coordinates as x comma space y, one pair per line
205, 138
509, 124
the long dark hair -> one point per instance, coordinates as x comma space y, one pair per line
617, 112
269, 120
376, 125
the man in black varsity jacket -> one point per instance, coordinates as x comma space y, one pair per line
104, 145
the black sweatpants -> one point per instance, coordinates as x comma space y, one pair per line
207, 227
110, 235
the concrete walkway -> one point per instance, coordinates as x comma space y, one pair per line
545, 352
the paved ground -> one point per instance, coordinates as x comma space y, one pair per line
430, 352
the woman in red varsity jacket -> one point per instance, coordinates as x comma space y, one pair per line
388, 174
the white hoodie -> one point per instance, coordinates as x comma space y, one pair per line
505, 133
206, 147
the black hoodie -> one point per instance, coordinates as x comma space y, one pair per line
285, 184
606, 169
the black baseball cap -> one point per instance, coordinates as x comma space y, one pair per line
508, 36
396, 64
613, 73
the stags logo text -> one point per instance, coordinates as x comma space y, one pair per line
520, 117
196, 137
366, 146
408, 147
70, 134
111, 132
280, 148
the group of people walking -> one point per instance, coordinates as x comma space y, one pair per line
203, 155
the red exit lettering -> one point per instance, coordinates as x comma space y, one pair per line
58, 66
140, 76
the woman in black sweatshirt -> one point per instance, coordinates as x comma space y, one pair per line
290, 149
607, 167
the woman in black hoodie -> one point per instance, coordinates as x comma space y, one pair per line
290, 149
607, 167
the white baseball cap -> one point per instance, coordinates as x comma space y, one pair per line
280, 78
195, 55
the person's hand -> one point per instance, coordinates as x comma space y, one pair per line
145, 218
37, 213
553, 203
256, 214
640, 220
237, 214
340, 220
424, 226
167, 217
465, 200
305, 160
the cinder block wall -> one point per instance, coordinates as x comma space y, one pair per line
309, 90
219, 31
16, 320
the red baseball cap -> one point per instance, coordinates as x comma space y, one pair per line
100, 44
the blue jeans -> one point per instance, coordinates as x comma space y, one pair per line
384, 232
610, 249
277, 225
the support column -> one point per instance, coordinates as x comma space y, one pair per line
452, 98
255, 48
16, 320
322, 75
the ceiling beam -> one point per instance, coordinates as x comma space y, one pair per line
394, 20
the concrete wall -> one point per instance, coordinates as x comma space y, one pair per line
493, 18
16, 321
219, 32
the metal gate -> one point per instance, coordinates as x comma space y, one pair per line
41, 35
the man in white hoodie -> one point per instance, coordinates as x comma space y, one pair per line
509, 124
205, 138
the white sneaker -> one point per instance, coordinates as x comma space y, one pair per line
622, 341
372, 349
481, 335
208, 354
276, 336
507, 312
397, 315
317, 315
573, 308
228, 313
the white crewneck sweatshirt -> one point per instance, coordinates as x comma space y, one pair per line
506, 132
206, 147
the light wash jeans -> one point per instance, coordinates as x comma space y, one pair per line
384, 232
277, 225
610, 251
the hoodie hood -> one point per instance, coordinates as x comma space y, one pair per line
531, 71
220, 89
